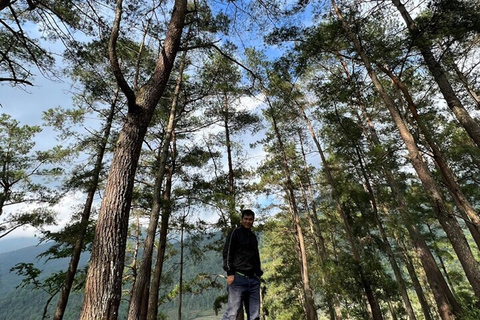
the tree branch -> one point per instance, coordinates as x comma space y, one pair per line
17, 81
114, 63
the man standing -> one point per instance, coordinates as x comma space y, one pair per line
241, 261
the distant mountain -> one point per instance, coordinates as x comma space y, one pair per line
28, 304
12, 244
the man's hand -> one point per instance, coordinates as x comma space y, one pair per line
230, 279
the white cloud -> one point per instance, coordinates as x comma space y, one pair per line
65, 210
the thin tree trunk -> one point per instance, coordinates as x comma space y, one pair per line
332, 302
180, 277
440, 259
231, 174
85, 217
471, 126
386, 243
133, 265
311, 312
104, 279
228, 143
419, 290
371, 135
47, 303
231, 179
152, 309
392, 310
141, 285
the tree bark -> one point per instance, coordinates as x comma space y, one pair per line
104, 278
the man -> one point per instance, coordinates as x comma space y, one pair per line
241, 261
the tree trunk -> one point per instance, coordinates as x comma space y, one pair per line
441, 262
133, 265
386, 243
231, 178
152, 309
85, 217
445, 216
310, 309
419, 290
332, 302
104, 280
141, 285
371, 135
392, 310
435, 278
471, 126
180, 277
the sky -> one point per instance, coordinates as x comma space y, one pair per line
26, 105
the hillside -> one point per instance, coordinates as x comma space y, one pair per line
7, 245
28, 304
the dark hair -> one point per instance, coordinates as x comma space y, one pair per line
248, 212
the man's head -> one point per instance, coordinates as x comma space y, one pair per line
248, 216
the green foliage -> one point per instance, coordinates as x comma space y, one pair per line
23, 54
457, 19
282, 285
23, 170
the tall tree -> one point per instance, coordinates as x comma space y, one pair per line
275, 105
228, 112
103, 287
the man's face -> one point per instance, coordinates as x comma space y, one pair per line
247, 221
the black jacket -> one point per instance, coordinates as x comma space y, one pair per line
240, 253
